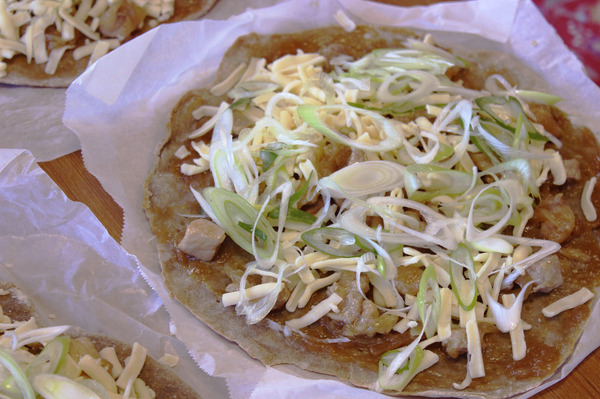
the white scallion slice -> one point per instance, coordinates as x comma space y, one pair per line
365, 178
231, 209
17, 373
392, 140
429, 282
53, 386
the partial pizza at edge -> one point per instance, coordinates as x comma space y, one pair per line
21, 71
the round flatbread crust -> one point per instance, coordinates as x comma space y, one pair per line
198, 285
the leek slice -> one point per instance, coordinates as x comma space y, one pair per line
335, 241
424, 182
465, 290
53, 386
18, 375
406, 373
51, 358
392, 140
232, 209
429, 280
506, 112
363, 178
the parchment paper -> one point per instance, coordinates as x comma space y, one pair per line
64, 260
31, 117
120, 126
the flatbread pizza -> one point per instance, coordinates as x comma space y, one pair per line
50, 43
61, 362
372, 206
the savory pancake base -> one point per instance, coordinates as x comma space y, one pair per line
199, 285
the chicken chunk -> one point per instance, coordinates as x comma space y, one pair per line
457, 344
557, 218
572, 168
121, 19
546, 273
202, 239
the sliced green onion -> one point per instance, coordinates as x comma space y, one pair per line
465, 290
51, 358
19, 377
363, 178
424, 182
381, 265
393, 139
429, 280
294, 215
539, 97
334, 241
505, 113
267, 157
248, 228
230, 209
301, 190
406, 372
53, 386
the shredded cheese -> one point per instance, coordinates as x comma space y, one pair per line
133, 367
254, 292
321, 309
25, 29
589, 211
569, 302
90, 366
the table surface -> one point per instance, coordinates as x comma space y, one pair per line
78, 184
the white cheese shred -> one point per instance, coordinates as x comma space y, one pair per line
344, 20
318, 311
133, 367
569, 302
589, 211
255, 292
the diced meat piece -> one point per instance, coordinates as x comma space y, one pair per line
572, 168
546, 272
456, 345
408, 280
351, 306
557, 218
370, 322
481, 160
360, 316
121, 19
202, 239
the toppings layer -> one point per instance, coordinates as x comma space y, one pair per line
391, 215
44, 30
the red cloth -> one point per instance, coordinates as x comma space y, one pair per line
578, 24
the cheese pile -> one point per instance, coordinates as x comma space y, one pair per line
65, 364
435, 191
43, 30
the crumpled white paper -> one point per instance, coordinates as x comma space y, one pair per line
120, 128
65, 261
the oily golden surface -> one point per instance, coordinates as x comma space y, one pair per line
199, 285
